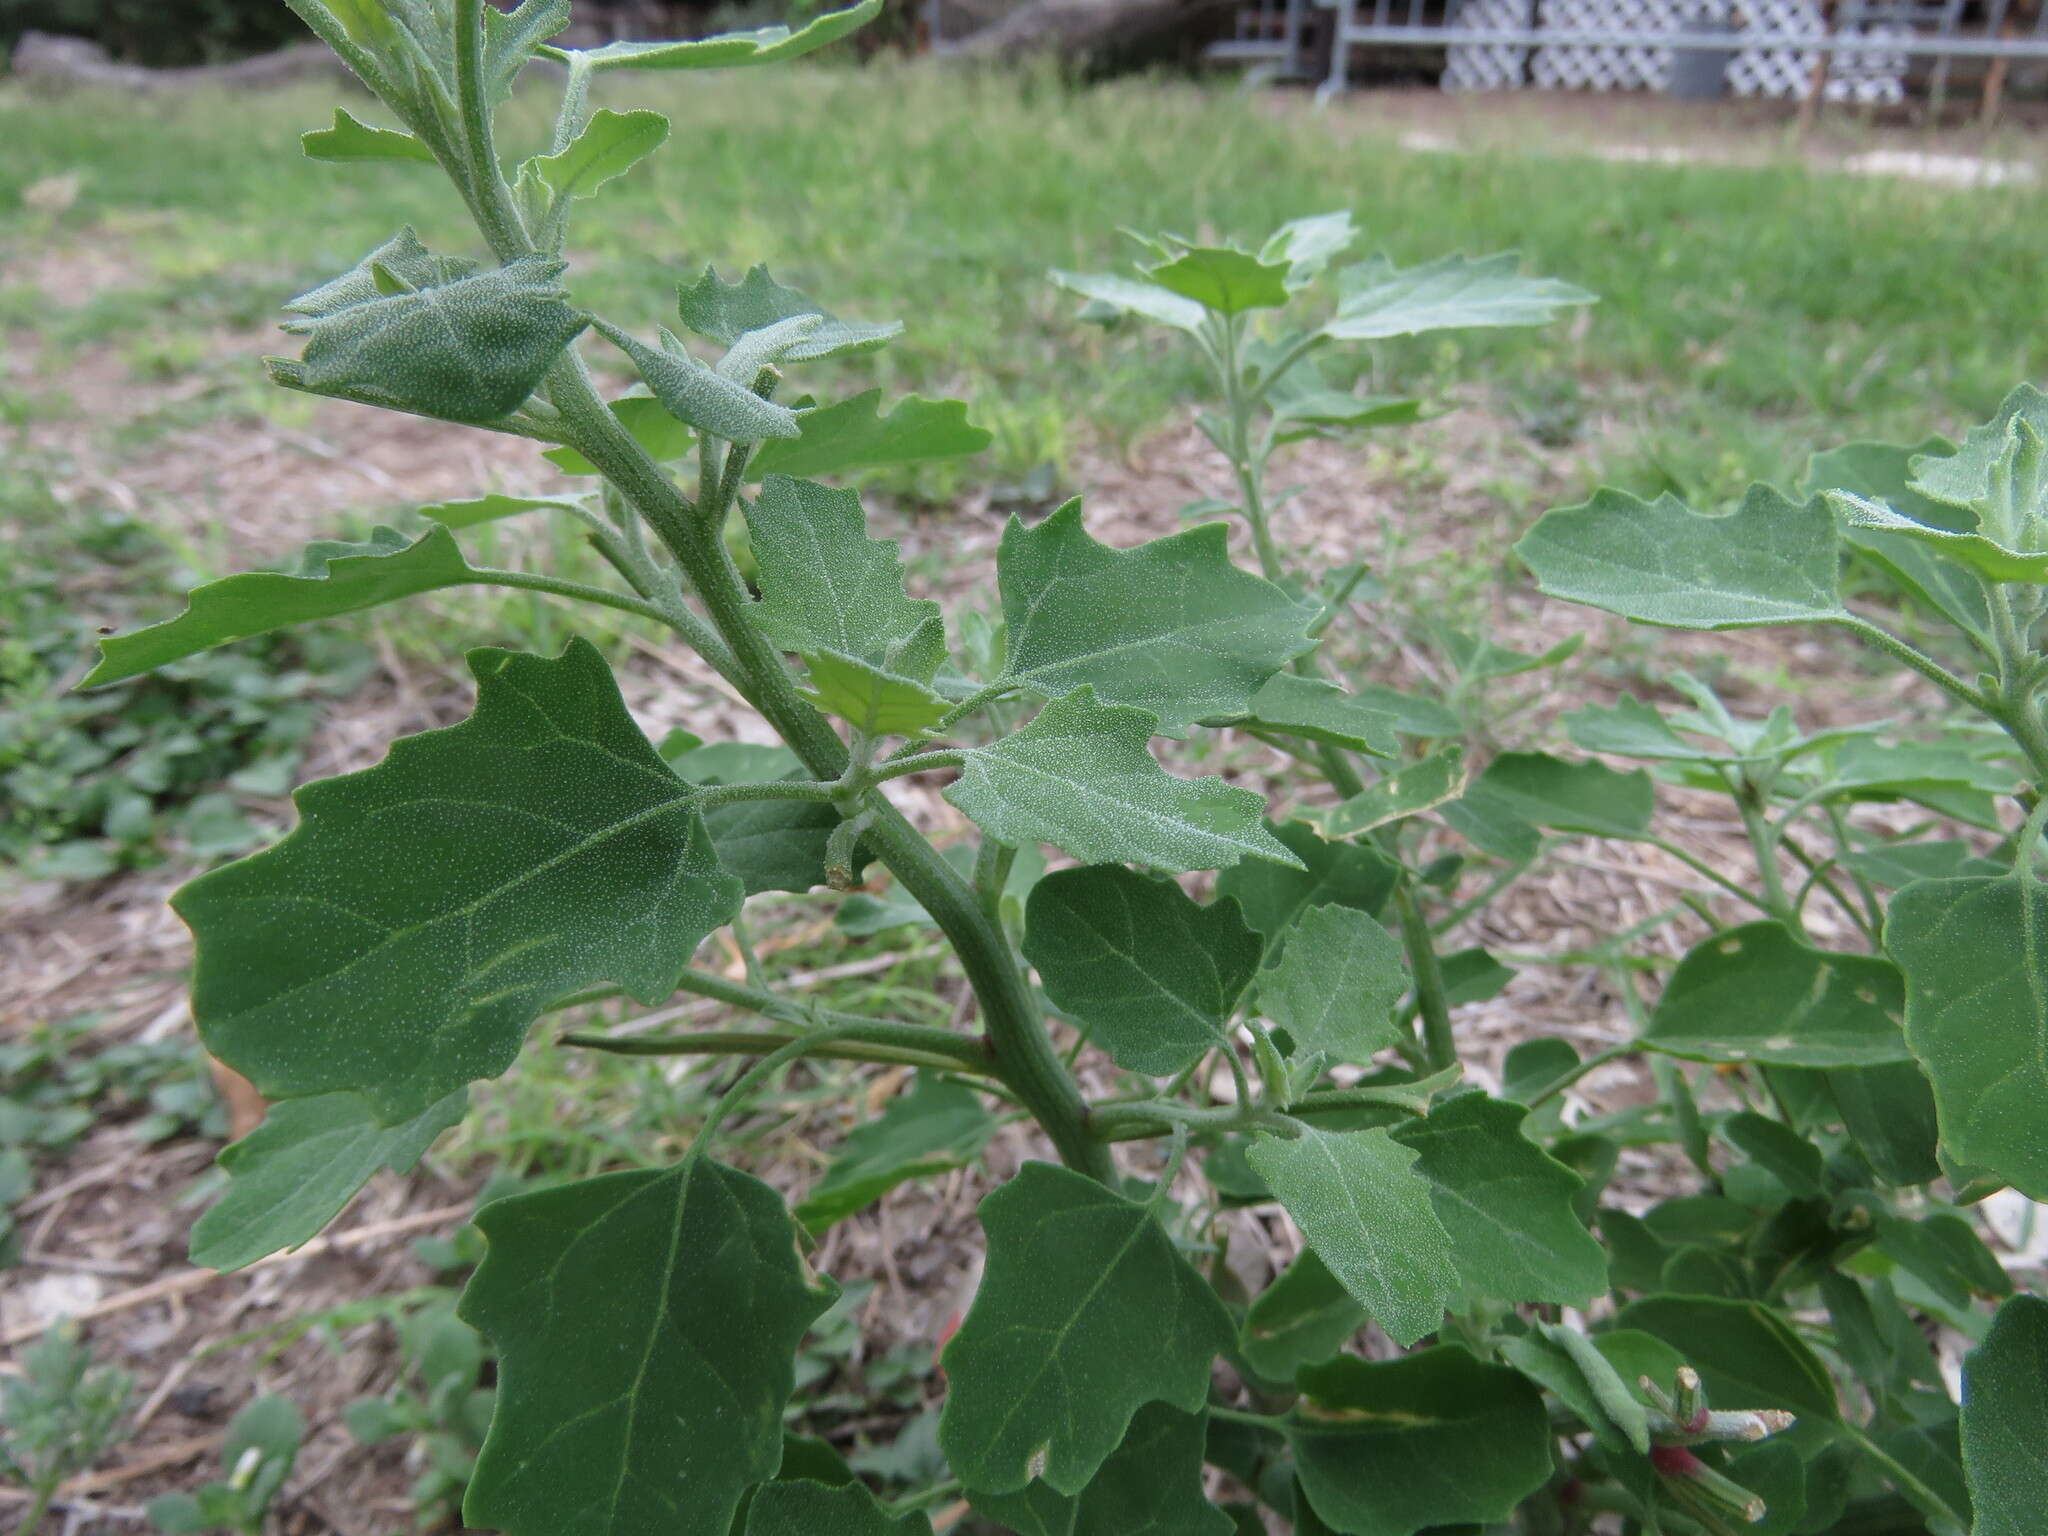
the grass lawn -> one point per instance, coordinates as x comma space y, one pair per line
1748, 315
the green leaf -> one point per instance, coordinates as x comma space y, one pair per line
1787, 1156
488, 509
854, 434
1746, 1354
1944, 1252
727, 50
651, 426
825, 585
511, 38
1631, 728
431, 335
401, 940
772, 845
1969, 477
1302, 1318
610, 145
1412, 716
1272, 896
1171, 626
2005, 1421
1506, 1204
724, 312
646, 1325
1308, 244
1288, 704
1756, 994
1151, 1486
701, 396
293, 1174
333, 578
1986, 556
1977, 1016
1890, 1113
1335, 985
1433, 1439
349, 139
937, 1126
1771, 561
1227, 281
1547, 791
1420, 786
1086, 1313
1896, 865
1131, 296
1882, 472
871, 698
803, 1508
1585, 1381
1152, 975
1370, 1217
1375, 300
1080, 776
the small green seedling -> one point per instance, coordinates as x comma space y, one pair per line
438, 1403
1460, 1337
261, 1444
59, 1416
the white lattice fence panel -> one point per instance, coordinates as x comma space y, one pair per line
1617, 66
1759, 69
1488, 66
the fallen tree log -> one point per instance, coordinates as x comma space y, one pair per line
44, 57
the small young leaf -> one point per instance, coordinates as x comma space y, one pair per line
1968, 477
825, 585
401, 940
854, 434
1336, 984
333, 578
511, 38
1977, 1015
727, 50
936, 1126
1369, 1216
701, 396
1547, 791
803, 1508
1080, 777
1288, 704
1375, 300
1746, 1354
724, 312
1308, 245
1227, 281
293, 1174
349, 139
2005, 1421
1153, 975
1882, 472
871, 698
418, 333
1086, 1313
1408, 791
1152, 1486
1433, 1439
1757, 994
610, 145
646, 1325
1771, 561
1273, 896
1131, 296
1302, 1318
1781, 1151
1506, 1203
1171, 626
1986, 556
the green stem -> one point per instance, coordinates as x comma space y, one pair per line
1763, 841
780, 789
993, 861
1708, 872
856, 1046
754, 1076
1565, 1079
602, 596
1439, 1043
1242, 460
489, 198
1272, 1421
1917, 660
1924, 1498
